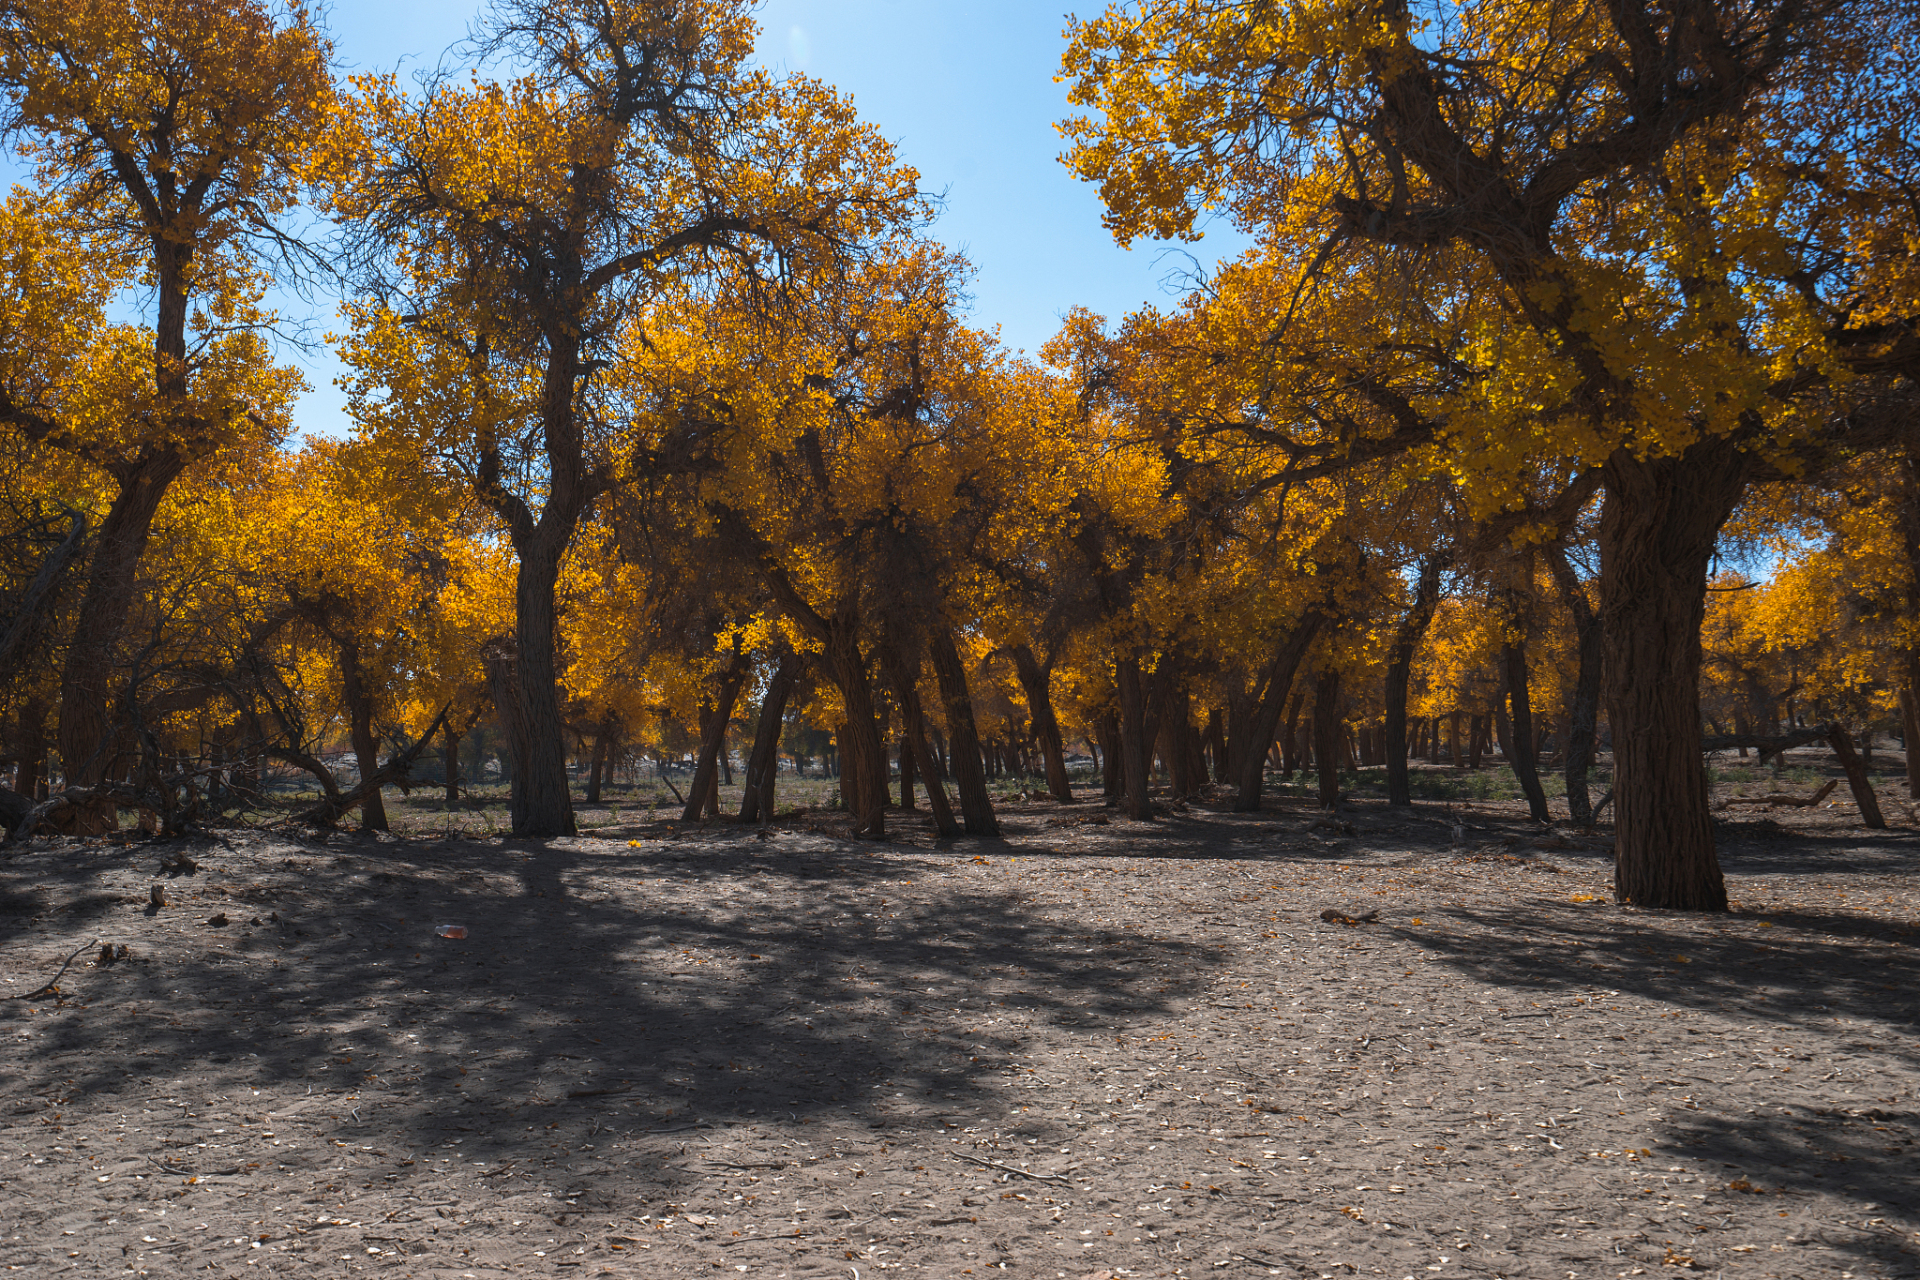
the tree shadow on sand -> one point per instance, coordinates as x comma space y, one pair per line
598, 989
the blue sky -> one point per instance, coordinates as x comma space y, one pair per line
966, 92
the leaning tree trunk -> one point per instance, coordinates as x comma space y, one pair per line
1583, 708
1406, 639
1046, 727
86, 733
1521, 744
756, 798
1658, 526
1857, 780
1327, 728
1265, 720
976, 807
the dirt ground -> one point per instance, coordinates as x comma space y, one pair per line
1094, 1048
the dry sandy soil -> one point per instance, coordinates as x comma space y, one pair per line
1091, 1049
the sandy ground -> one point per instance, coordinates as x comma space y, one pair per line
1091, 1049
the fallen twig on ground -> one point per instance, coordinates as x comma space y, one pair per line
49, 987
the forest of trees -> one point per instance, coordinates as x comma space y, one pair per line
1564, 404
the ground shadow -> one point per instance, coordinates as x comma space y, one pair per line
598, 988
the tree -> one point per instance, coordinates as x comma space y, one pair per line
513, 234
1690, 215
174, 134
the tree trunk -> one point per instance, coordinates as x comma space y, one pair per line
1657, 532
1910, 719
1857, 780
1265, 721
1584, 706
1113, 783
863, 757
756, 799
450, 761
1135, 750
1290, 740
1406, 639
542, 803
86, 733
597, 763
906, 772
906, 691
1327, 734
1520, 746
703, 795
976, 807
1034, 679
366, 744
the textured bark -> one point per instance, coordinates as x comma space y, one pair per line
1035, 680
1327, 733
1426, 596
1521, 743
1215, 737
901, 674
542, 797
1276, 684
756, 798
1857, 780
1657, 532
976, 807
1583, 705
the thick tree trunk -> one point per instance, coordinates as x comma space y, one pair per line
1426, 596
1857, 780
1657, 532
703, 793
1327, 734
863, 757
1035, 680
1136, 750
976, 807
366, 744
756, 799
1265, 720
86, 735
1113, 782
1584, 705
1520, 747
542, 803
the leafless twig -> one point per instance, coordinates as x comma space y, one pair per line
49, 987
